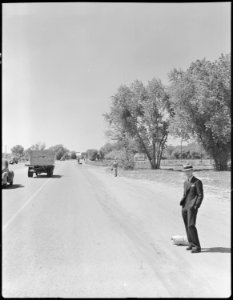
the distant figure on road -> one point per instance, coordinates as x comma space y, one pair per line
191, 201
115, 167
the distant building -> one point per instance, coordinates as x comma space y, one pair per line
78, 154
140, 157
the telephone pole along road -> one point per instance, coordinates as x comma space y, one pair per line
86, 233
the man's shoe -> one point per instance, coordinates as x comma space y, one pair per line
196, 250
189, 248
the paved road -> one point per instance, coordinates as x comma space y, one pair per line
85, 233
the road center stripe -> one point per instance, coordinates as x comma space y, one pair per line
26, 203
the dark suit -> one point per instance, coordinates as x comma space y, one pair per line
191, 201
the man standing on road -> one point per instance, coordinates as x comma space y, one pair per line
191, 201
115, 167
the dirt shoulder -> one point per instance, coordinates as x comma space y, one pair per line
150, 214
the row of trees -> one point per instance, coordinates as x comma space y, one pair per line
111, 151
196, 105
61, 152
190, 151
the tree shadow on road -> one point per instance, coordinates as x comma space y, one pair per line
14, 186
217, 250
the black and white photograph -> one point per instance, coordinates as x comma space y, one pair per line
116, 150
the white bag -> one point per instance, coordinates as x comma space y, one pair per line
179, 240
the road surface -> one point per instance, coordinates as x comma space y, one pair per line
85, 233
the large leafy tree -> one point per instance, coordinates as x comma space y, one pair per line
121, 128
38, 146
59, 150
141, 113
201, 100
157, 113
17, 150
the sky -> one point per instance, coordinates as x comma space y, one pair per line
62, 62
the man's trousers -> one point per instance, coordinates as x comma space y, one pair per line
189, 216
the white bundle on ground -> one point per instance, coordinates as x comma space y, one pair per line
179, 240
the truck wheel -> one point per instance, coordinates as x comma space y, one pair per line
30, 174
11, 183
50, 173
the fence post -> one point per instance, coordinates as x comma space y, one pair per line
201, 153
181, 150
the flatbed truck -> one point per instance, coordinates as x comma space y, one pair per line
41, 161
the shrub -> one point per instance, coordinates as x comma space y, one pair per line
176, 155
92, 154
125, 160
73, 155
195, 155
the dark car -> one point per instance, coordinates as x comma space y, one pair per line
7, 175
13, 161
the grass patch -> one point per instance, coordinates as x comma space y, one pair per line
215, 183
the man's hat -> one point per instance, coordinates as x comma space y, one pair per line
187, 167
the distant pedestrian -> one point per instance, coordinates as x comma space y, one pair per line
115, 167
191, 201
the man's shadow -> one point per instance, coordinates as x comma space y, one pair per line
216, 250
